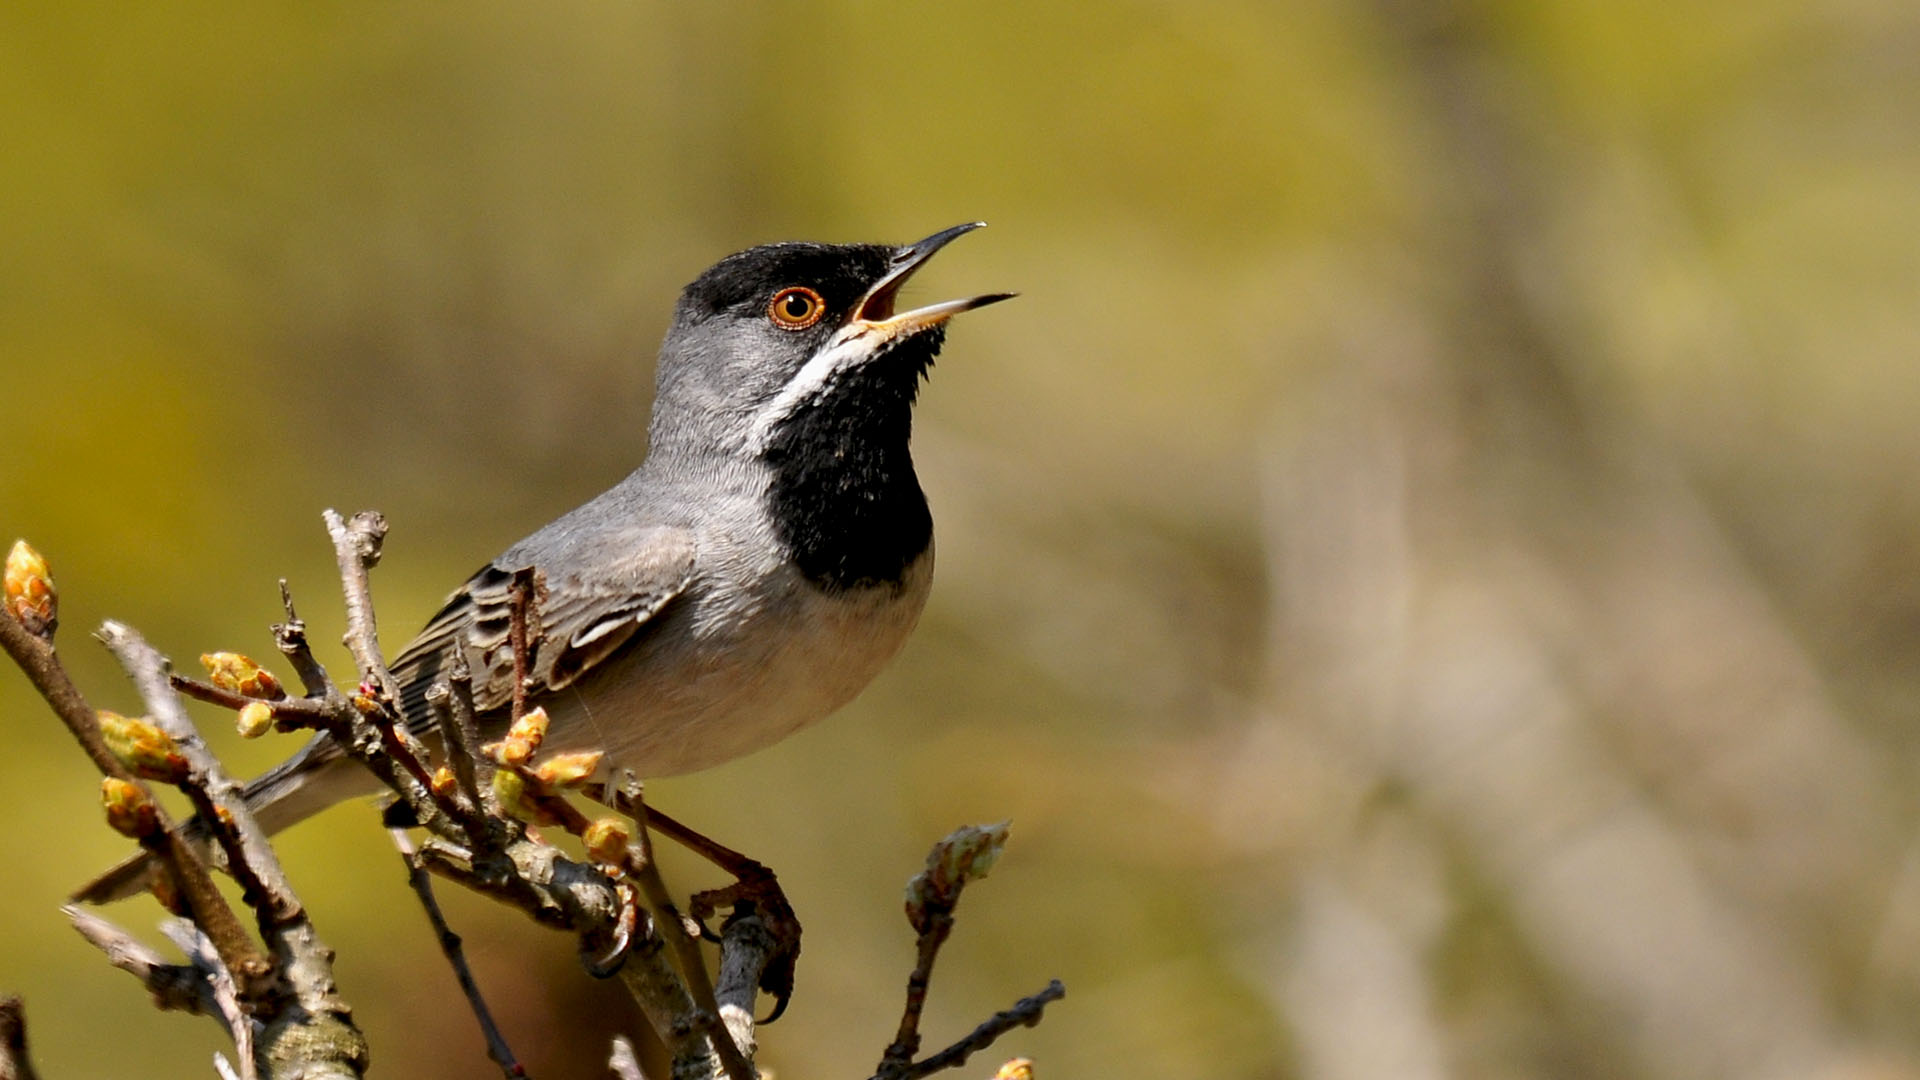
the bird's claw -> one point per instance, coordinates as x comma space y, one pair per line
606, 964
757, 893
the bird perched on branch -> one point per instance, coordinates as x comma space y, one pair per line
758, 569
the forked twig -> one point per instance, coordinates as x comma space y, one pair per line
932, 896
1025, 1013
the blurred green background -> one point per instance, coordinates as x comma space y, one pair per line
1430, 565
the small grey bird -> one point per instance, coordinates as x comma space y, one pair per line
759, 568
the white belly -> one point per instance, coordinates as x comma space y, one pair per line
737, 667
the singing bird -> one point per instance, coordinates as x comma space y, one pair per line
769, 556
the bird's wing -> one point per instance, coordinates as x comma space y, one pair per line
592, 603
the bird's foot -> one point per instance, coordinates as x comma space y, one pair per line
756, 892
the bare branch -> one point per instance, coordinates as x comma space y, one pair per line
706, 1024
301, 712
41, 664
450, 946
747, 945
522, 601
356, 545
291, 638
452, 705
670, 1011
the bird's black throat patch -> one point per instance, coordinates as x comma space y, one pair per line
845, 499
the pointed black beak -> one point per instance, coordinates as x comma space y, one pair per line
877, 309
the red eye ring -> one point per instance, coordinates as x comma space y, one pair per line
796, 308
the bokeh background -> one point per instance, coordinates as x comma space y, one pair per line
1430, 565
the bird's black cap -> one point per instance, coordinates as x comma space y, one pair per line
742, 283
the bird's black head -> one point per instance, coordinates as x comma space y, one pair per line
771, 329
792, 355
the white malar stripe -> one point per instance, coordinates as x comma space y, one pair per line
846, 349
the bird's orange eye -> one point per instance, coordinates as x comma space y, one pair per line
796, 308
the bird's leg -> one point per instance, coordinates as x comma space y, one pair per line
755, 890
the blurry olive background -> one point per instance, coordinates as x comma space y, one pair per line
1430, 565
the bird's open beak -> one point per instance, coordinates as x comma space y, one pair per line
876, 310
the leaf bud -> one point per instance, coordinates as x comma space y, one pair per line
239, 673
606, 840
29, 594
511, 793
966, 853
568, 770
511, 750
254, 719
129, 811
532, 727
444, 783
143, 747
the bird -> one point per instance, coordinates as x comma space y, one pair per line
768, 557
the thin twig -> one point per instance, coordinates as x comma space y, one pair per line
1025, 1013
356, 547
639, 865
466, 779
450, 946
216, 797
463, 736
568, 895
41, 664
14, 1062
536, 878
373, 736
291, 638
302, 712
906, 1042
747, 946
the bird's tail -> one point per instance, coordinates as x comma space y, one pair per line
298, 788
